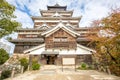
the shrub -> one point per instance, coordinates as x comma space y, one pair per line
5, 74
83, 66
35, 66
24, 62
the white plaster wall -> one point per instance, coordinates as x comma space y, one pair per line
38, 51
63, 52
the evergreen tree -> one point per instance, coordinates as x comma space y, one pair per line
7, 24
4, 56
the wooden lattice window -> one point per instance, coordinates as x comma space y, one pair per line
60, 39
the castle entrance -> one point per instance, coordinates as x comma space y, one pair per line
50, 57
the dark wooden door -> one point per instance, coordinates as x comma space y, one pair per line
50, 59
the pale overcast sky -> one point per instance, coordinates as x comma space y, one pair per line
89, 9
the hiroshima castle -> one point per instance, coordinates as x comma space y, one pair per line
56, 34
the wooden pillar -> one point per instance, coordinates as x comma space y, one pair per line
28, 67
98, 67
13, 73
30, 60
0, 73
108, 70
22, 69
39, 59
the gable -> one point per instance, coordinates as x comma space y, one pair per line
60, 34
61, 31
60, 26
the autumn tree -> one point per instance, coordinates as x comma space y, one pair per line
7, 24
108, 41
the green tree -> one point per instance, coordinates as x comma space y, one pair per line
24, 62
4, 56
108, 43
7, 24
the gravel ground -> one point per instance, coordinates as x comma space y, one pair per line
67, 74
